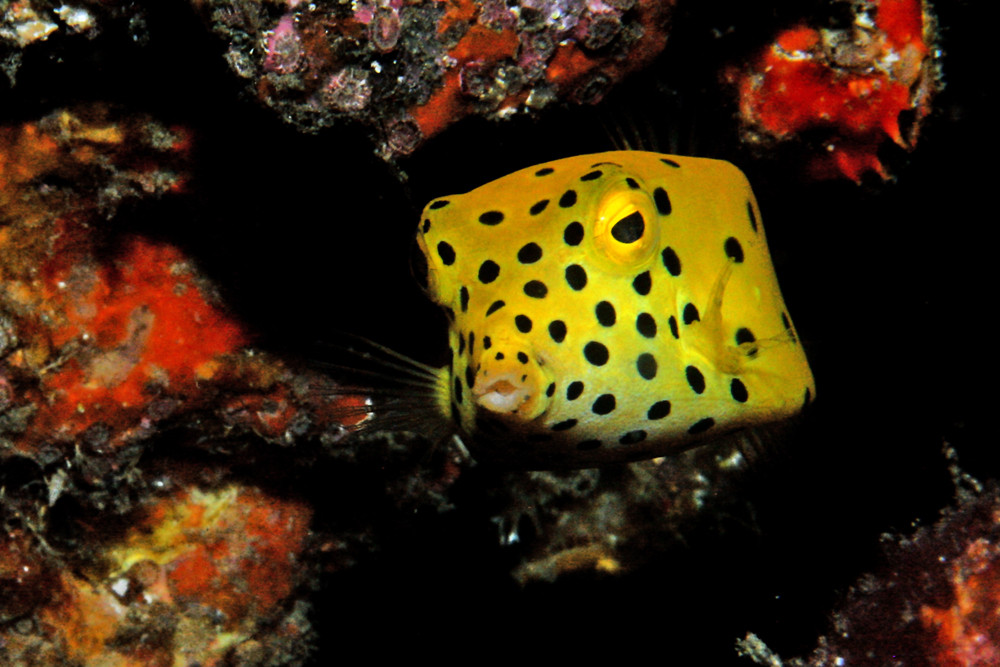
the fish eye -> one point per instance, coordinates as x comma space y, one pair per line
625, 228
630, 228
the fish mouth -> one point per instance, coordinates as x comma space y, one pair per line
510, 380
505, 394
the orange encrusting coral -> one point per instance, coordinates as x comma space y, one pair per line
479, 45
233, 549
853, 83
968, 633
152, 327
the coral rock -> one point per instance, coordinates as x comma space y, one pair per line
936, 600
850, 85
101, 349
197, 575
430, 63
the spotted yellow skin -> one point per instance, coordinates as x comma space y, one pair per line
677, 333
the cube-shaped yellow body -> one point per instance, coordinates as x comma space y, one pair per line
609, 307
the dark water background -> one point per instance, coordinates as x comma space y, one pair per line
890, 286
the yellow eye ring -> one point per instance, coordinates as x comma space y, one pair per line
625, 230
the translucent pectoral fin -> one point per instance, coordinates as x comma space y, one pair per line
728, 358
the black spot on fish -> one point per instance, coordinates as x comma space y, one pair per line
576, 276
691, 314
738, 390
788, 326
605, 404
630, 228
557, 330
744, 336
574, 390
544, 171
632, 437
550, 391
646, 365
632, 183
538, 207
491, 218
523, 323
487, 342
701, 426
658, 410
440, 203
536, 289
494, 307
646, 325
674, 329
564, 425
695, 379
642, 283
671, 261
426, 227
458, 390
662, 201
596, 353
605, 313
752, 216
472, 341
734, 250
568, 199
522, 357
463, 297
529, 254
470, 376
488, 271
573, 234
446, 253
669, 163
461, 343
592, 175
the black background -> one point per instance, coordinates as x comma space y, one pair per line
888, 284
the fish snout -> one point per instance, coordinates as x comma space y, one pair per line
510, 380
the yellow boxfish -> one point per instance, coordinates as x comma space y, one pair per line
608, 308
